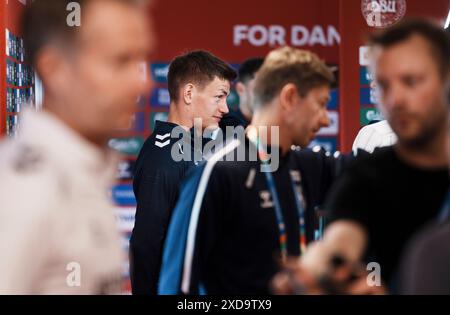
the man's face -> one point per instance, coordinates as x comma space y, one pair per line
210, 102
308, 116
411, 91
245, 92
108, 72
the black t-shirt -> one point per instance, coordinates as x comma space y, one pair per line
238, 246
156, 186
391, 199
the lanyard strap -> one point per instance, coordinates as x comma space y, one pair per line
279, 214
298, 193
444, 215
299, 202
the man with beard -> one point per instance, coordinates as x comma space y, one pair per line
259, 206
385, 198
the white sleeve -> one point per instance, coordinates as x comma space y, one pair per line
372, 136
25, 229
364, 140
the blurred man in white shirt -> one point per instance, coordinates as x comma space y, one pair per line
57, 229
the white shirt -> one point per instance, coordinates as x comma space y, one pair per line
373, 136
58, 234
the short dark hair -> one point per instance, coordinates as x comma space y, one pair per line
436, 36
199, 67
248, 69
45, 21
286, 65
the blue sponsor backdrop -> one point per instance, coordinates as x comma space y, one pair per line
160, 98
367, 96
334, 101
123, 195
159, 72
365, 78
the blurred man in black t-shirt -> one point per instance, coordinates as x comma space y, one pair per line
386, 197
426, 260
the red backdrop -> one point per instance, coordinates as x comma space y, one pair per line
210, 25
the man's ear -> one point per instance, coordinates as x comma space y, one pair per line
240, 88
52, 68
288, 97
188, 90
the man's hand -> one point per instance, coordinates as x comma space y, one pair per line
295, 280
343, 279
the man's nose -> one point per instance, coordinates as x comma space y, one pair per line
395, 98
325, 121
224, 108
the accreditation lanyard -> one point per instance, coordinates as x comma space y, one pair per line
444, 215
279, 214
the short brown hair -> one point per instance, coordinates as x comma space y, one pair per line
289, 65
199, 67
438, 39
45, 21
